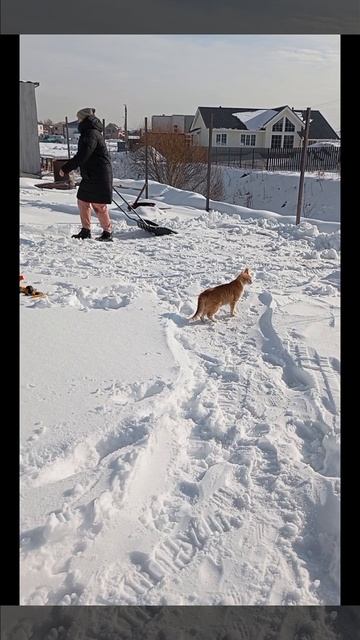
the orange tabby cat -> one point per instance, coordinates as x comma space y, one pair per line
210, 300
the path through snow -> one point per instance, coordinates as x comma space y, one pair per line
168, 462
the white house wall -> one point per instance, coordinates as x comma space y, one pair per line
287, 113
199, 137
234, 137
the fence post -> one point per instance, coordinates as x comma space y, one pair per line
146, 161
67, 135
302, 166
103, 124
209, 163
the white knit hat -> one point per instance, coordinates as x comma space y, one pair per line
84, 113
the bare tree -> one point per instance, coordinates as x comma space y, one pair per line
174, 161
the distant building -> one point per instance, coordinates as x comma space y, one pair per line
112, 131
171, 124
29, 136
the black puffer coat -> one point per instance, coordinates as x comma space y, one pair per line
94, 161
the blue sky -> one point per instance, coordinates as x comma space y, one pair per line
156, 74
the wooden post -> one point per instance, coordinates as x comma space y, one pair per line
146, 160
103, 123
302, 166
209, 163
67, 135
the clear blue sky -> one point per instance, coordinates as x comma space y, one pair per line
156, 74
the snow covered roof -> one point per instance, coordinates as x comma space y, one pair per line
255, 120
251, 119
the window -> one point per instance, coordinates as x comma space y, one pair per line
276, 142
288, 142
248, 140
278, 126
289, 126
221, 138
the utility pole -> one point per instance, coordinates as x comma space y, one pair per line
209, 163
67, 135
302, 166
126, 130
146, 161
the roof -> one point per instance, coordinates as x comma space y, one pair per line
319, 127
254, 119
223, 117
231, 117
36, 84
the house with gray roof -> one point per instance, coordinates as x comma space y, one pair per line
275, 127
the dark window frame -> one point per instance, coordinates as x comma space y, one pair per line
289, 146
278, 125
276, 146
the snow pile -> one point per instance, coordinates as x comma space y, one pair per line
278, 191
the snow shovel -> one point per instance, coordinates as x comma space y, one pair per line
143, 223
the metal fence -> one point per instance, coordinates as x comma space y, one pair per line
317, 158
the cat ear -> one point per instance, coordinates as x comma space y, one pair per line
246, 270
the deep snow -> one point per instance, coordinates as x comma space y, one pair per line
167, 462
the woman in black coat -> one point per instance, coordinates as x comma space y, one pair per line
95, 189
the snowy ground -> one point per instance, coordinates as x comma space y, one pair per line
165, 462
180, 623
60, 150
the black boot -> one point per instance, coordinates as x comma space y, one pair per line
83, 234
106, 236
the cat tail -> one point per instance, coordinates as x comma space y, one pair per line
197, 312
